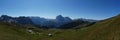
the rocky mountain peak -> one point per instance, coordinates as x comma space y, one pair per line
60, 17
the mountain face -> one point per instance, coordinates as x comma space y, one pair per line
24, 20
6, 18
42, 21
60, 20
20, 20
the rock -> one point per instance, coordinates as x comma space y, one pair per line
50, 35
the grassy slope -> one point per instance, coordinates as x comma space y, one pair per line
8, 32
105, 30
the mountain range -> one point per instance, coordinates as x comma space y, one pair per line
50, 23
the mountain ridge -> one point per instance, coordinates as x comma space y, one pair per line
50, 23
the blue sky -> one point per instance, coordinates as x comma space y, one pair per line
90, 9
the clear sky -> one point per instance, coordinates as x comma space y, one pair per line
90, 9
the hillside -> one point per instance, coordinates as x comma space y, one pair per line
105, 30
14, 31
9, 32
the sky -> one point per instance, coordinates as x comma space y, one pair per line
90, 9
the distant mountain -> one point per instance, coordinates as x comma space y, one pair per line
20, 20
60, 20
77, 22
42, 21
24, 20
88, 20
